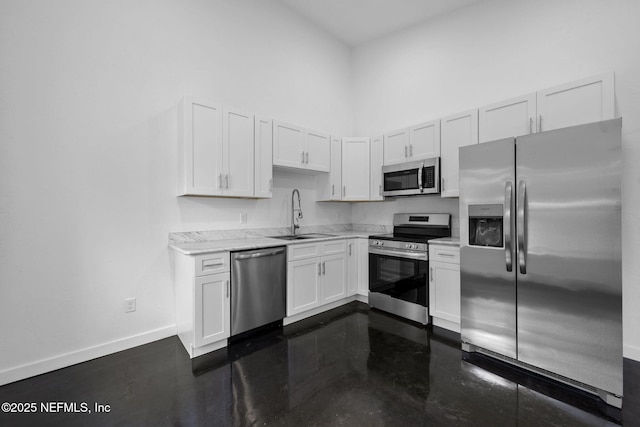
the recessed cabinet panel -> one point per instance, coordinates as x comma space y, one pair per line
318, 152
396, 147
263, 131
424, 140
375, 172
355, 169
334, 278
303, 285
288, 145
506, 119
457, 131
238, 150
335, 178
212, 309
352, 267
583, 101
200, 168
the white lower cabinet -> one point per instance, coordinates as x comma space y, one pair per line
303, 281
316, 275
444, 286
363, 267
352, 267
213, 313
203, 305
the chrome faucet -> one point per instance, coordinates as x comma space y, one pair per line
294, 226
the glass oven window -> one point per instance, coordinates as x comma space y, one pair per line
401, 180
401, 278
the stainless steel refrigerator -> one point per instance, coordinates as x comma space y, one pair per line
540, 258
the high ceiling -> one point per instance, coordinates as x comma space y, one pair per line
358, 21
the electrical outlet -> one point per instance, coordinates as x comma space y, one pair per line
243, 217
129, 305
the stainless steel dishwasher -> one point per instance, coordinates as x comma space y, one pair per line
258, 288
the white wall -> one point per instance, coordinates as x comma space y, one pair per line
88, 162
497, 49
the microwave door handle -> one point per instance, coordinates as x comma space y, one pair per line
508, 191
420, 176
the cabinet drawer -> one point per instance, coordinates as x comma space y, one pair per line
212, 263
334, 247
444, 254
297, 252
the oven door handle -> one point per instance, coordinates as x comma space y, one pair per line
399, 254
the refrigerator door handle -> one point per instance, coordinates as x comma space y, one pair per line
522, 232
508, 191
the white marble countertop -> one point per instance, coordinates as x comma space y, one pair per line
446, 241
239, 244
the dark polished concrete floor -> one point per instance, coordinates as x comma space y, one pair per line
349, 366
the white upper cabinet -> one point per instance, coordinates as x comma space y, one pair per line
263, 132
396, 147
355, 169
296, 147
318, 154
288, 145
375, 160
415, 143
457, 131
216, 150
583, 101
510, 118
238, 152
424, 140
335, 175
200, 166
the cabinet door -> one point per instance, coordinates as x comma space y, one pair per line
200, 165
507, 119
303, 291
288, 145
318, 152
396, 147
424, 140
263, 133
457, 131
352, 267
375, 172
238, 152
334, 278
363, 267
583, 101
212, 312
335, 176
355, 168
444, 291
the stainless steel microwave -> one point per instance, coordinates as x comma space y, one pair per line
419, 177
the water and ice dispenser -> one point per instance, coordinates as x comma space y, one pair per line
485, 225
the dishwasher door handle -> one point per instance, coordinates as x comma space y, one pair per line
259, 254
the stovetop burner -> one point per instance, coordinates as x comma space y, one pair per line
413, 231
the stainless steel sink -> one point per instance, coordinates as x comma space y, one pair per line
302, 236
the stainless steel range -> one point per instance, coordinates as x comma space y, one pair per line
399, 262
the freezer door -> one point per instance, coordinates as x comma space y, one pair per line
487, 273
569, 265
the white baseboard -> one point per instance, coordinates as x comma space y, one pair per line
631, 352
62, 361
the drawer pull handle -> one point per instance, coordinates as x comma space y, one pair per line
209, 264
444, 254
